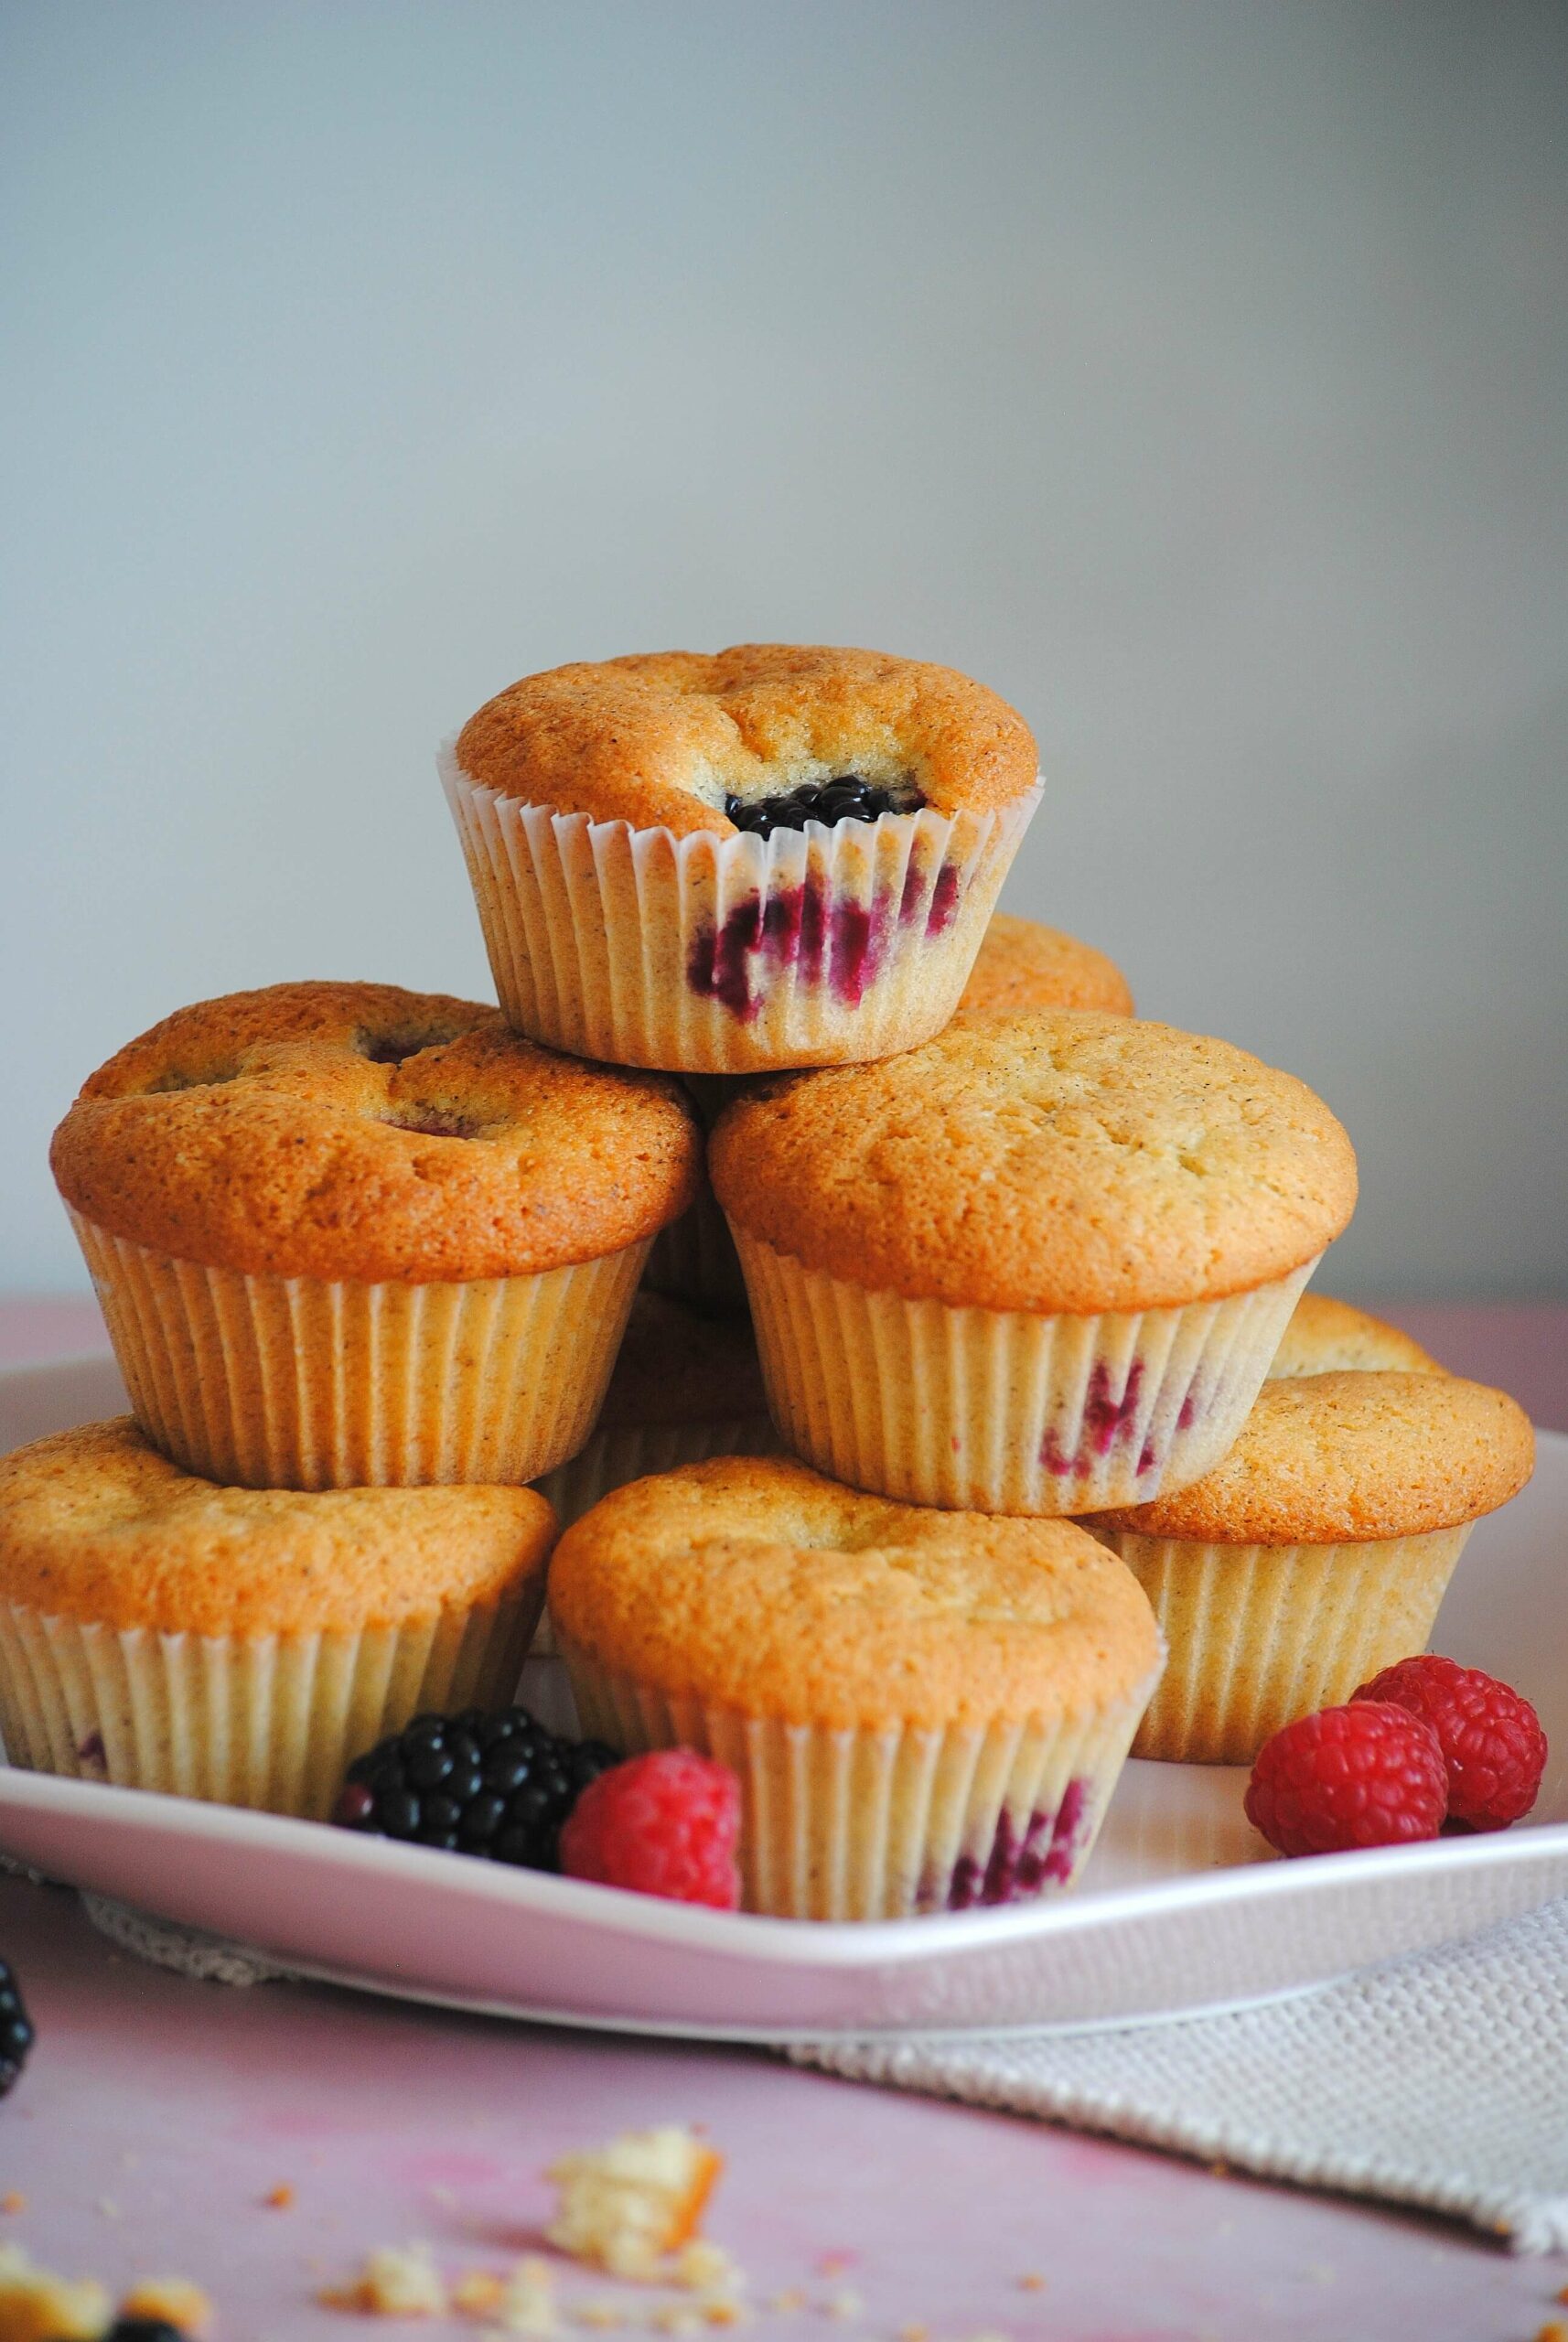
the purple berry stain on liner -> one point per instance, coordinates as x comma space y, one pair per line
1105, 1421
1017, 1867
735, 961
1188, 1414
944, 901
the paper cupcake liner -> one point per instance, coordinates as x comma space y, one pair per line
613, 1457
1261, 1634
998, 1411
694, 1258
729, 955
845, 1824
270, 1721
295, 1382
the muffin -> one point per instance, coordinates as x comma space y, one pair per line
1316, 1553
348, 1235
1021, 964
777, 855
1326, 1336
1039, 1266
694, 1258
237, 1644
685, 1387
926, 1711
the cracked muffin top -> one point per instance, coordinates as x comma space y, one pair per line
670, 738
96, 1525
1326, 1336
1062, 1160
1022, 964
361, 1132
757, 1583
1363, 1456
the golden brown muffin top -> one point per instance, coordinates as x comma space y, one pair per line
1325, 1458
1326, 1336
759, 1585
1059, 1160
96, 1525
681, 1365
361, 1132
1021, 964
661, 739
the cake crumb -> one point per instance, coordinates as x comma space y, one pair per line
676, 2318
846, 2304
834, 2264
527, 2305
397, 2280
34, 2301
280, 2197
14, 2202
175, 2300
1031, 2282
914, 2334
1552, 2331
479, 2292
793, 2297
725, 2310
626, 2206
1563, 2296
700, 2266
1220, 2169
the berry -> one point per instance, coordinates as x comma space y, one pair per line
16, 2030
498, 1785
1490, 1737
1367, 1775
845, 798
143, 2330
662, 1824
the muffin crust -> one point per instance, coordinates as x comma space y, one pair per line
1324, 1459
96, 1525
1022, 965
1060, 1161
360, 1132
1326, 1336
759, 1585
660, 739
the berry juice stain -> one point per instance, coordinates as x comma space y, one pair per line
805, 925
1106, 1419
1018, 1865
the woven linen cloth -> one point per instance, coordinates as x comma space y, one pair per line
1440, 2081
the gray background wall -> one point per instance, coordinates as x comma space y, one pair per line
1196, 374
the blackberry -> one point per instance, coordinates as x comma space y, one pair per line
16, 2030
846, 798
497, 1785
145, 2329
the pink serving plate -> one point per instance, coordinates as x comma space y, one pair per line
1180, 1908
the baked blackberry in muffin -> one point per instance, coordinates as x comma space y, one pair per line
779, 854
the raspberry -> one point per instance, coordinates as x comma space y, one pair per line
1368, 1775
1490, 1737
663, 1824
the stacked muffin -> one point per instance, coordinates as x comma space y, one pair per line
1019, 1270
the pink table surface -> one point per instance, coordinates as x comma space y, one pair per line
156, 2115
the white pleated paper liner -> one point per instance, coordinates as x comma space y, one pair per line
818, 946
1000, 1410
1260, 1635
297, 1382
881, 1825
269, 1721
